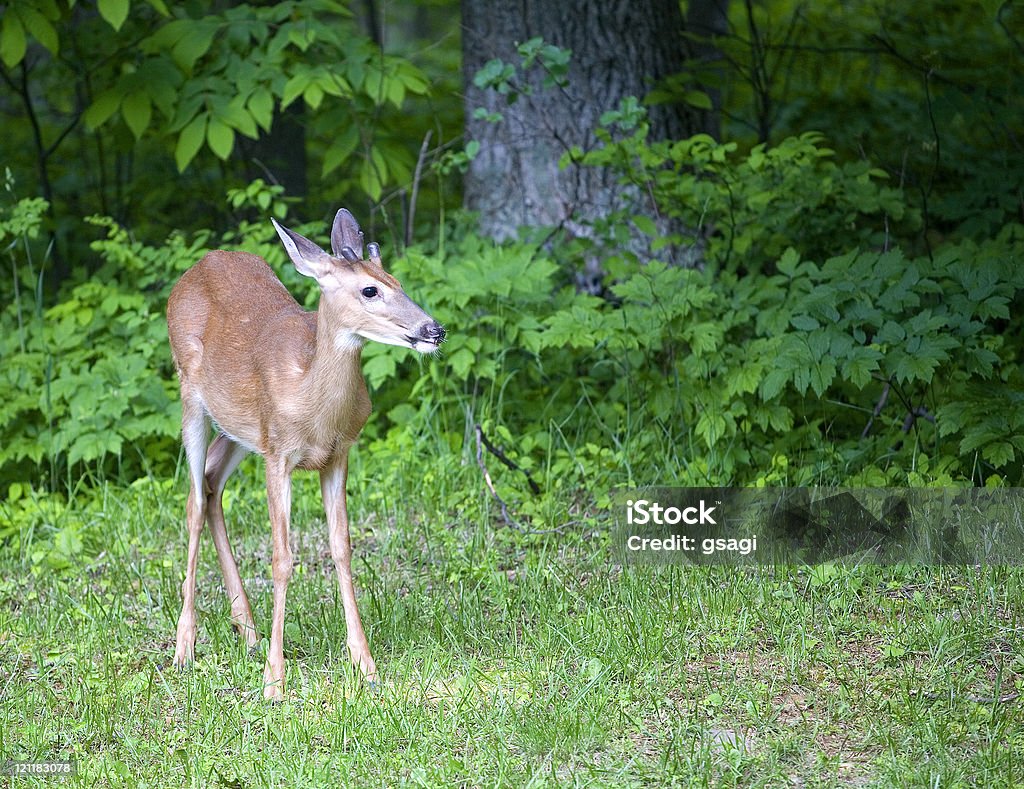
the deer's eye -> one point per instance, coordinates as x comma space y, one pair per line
369, 292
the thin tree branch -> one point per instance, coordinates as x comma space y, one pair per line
481, 441
417, 173
882, 400
510, 464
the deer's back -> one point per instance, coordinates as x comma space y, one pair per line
232, 324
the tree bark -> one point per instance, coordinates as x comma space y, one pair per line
619, 48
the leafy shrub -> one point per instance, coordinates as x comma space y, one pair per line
78, 384
745, 209
686, 376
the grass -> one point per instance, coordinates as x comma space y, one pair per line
507, 659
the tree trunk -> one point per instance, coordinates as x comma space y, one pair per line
619, 48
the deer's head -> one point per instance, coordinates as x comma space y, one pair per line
361, 300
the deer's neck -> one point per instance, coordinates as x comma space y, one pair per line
334, 383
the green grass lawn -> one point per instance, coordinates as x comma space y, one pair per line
506, 660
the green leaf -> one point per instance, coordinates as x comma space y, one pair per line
645, 225
92, 446
744, 378
804, 322
220, 138
261, 105
190, 141
413, 79
39, 27
295, 87
373, 174
378, 367
339, 150
698, 99
67, 541
166, 36
102, 108
302, 37
979, 436
461, 362
235, 115
774, 382
12, 40
372, 85
910, 367
115, 12
711, 427
193, 45
890, 333
788, 262
334, 84
137, 111
822, 375
998, 454
313, 95
859, 367
395, 91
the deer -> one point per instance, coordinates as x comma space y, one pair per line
277, 380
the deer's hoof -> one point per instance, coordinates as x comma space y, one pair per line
274, 692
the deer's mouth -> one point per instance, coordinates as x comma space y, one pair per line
422, 344
429, 335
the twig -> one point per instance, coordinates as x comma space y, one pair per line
481, 442
487, 477
913, 415
411, 215
878, 409
1006, 698
1002, 23
266, 171
509, 464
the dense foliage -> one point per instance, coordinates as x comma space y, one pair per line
111, 104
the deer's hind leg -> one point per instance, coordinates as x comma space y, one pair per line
221, 462
195, 433
279, 503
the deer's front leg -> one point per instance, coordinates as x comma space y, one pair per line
279, 502
332, 486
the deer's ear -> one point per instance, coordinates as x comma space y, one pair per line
345, 233
308, 258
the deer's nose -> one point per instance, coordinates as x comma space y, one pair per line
432, 331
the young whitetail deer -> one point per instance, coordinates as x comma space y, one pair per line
287, 384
